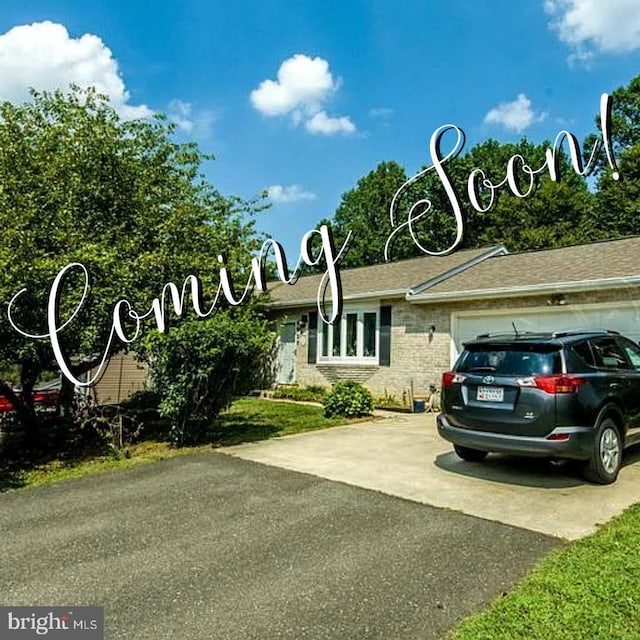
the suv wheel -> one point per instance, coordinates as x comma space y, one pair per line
606, 459
470, 455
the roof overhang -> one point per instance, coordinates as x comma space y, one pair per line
527, 290
311, 302
406, 293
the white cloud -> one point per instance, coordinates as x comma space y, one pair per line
303, 87
198, 123
180, 113
44, 56
293, 193
322, 123
303, 84
587, 26
515, 116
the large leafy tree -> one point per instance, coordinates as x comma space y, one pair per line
79, 184
617, 202
551, 216
364, 210
555, 214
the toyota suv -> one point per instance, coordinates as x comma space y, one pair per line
568, 394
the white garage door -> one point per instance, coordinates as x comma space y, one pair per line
624, 318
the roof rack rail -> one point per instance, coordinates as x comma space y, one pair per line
510, 334
575, 332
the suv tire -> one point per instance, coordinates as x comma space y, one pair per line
470, 455
606, 459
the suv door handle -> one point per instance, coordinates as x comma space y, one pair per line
614, 385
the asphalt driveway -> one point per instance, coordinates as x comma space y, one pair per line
402, 455
211, 546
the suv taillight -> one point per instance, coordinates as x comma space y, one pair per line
450, 378
558, 384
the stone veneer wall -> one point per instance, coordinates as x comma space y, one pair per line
415, 356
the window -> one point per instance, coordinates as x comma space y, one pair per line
369, 338
353, 338
511, 360
352, 335
608, 354
583, 351
632, 351
325, 344
336, 351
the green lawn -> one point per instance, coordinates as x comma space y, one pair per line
247, 420
252, 419
589, 590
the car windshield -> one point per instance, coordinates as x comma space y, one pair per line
517, 359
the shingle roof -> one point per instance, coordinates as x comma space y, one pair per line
602, 264
381, 280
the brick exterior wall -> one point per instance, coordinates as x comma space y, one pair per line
417, 358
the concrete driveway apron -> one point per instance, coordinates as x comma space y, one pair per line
402, 455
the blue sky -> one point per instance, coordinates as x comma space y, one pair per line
365, 81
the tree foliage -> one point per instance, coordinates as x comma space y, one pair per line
79, 184
552, 216
556, 214
364, 210
617, 202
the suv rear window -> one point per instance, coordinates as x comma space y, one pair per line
511, 360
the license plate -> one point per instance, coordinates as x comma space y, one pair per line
490, 394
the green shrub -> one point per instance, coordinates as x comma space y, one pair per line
199, 366
143, 400
113, 426
312, 393
349, 399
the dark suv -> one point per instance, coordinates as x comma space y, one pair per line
569, 394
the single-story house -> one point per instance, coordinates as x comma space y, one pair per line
404, 323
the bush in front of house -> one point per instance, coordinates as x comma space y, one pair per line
198, 367
311, 393
349, 399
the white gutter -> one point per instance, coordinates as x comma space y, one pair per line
505, 292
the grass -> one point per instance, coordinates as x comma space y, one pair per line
588, 590
248, 420
251, 419
56, 470
310, 393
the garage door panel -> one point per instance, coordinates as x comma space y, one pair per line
626, 320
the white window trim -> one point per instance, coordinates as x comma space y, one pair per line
343, 358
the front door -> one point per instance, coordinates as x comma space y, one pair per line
286, 354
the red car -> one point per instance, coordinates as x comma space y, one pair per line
43, 399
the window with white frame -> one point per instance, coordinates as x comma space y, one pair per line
353, 338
